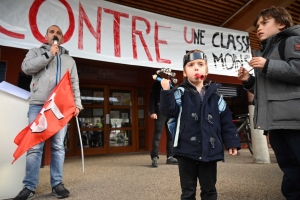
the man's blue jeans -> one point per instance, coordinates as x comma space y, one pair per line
34, 155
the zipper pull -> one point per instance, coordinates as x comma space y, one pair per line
209, 117
195, 116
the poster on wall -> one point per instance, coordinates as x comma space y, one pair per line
98, 97
141, 114
121, 98
100, 30
97, 112
114, 114
140, 101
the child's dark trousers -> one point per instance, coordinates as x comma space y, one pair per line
190, 170
286, 146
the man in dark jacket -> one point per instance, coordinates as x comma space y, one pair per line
276, 88
160, 121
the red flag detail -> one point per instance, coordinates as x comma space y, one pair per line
55, 114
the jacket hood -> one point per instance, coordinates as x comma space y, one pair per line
292, 31
62, 50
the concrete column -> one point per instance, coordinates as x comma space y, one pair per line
259, 142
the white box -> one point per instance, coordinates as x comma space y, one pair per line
13, 119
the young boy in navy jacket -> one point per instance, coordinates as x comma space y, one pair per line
205, 125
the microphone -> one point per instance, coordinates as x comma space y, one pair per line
55, 39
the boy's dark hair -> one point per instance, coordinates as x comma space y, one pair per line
280, 15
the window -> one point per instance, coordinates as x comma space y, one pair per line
24, 81
2, 71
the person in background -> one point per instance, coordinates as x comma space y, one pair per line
160, 121
276, 88
47, 64
205, 125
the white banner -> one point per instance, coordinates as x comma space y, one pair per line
110, 32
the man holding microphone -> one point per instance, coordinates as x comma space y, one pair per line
47, 65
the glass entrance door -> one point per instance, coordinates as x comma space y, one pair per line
91, 121
109, 121
121, 131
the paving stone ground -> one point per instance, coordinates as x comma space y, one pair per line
130, 176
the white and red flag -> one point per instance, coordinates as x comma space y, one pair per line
55, 114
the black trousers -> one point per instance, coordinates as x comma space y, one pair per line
159, 125
286, 146
206, 172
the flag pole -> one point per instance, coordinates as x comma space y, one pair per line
82, 158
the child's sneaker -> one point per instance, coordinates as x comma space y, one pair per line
60, 191
171, 160
25, 194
